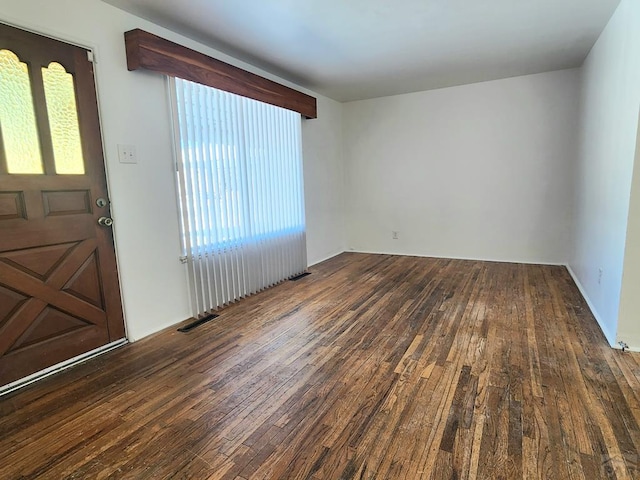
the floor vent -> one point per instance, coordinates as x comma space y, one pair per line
197, 323
298, 277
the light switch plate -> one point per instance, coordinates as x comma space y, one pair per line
127, 154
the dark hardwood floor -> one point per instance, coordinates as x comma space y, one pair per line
373, 367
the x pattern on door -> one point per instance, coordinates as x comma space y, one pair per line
47, 292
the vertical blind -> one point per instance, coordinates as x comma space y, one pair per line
241, 193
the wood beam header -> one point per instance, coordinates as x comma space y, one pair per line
148, 51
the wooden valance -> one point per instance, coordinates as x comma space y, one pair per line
148, 51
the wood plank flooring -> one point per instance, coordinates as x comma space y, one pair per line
373, 367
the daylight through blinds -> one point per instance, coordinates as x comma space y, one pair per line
241, 193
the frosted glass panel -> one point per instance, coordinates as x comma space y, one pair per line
17, 117
63, 119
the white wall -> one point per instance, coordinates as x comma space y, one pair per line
324, 182
480, 171
610, 102
134, 110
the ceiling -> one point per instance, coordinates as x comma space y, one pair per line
357, 49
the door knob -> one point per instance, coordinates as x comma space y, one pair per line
105, 221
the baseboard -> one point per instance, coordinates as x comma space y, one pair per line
326, 258
627, 349
610, 336
34, 377
524, 262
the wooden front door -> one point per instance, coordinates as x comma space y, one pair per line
59, 293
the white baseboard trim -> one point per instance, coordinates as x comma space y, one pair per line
610, 336
34, 377
401, 254
326, 258
628, 349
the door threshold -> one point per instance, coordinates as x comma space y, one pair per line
59, 367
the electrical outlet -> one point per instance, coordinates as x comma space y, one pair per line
600, 276
394, 235
127, 154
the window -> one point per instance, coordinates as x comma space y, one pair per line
241, 194
18, 117
18, 112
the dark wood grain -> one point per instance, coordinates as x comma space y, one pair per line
373, 367
148, 51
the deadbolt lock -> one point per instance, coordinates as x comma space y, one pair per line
101, 202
